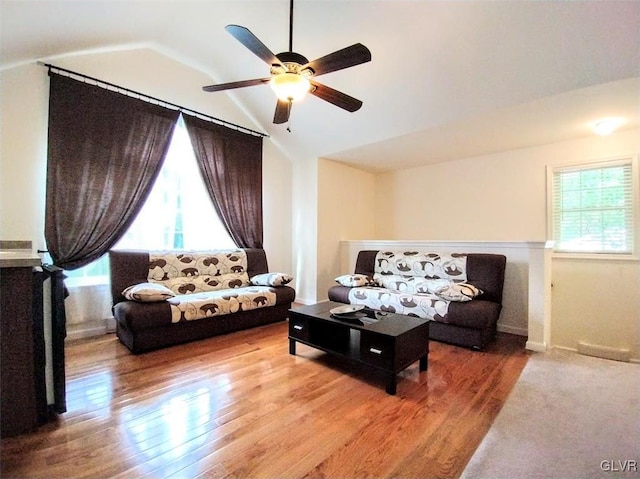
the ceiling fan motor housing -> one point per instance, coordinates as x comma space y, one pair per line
292, 57
293, 63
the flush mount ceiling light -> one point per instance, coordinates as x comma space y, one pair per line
606, 126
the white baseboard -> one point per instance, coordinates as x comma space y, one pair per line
506, 328
537, 347
90, 328
80, 331
605, 352
575, 350
307, 302
110, 325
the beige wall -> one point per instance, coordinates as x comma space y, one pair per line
596, 302
498, 197
487, 198
23, 102
345, 211
503, 197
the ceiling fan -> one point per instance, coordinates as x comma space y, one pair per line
292, 74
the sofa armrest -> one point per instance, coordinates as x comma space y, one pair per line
365, 263
486, 271
127, 267
339, 294
256, 261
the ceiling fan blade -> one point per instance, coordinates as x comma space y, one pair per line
283, 109
338, 60
249, 40
235, 84
335, 97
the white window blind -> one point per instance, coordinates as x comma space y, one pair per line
593, 208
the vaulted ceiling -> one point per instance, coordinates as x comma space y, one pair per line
448, 79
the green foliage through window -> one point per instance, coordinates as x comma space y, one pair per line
593, 208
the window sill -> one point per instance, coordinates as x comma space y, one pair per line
596, 256
86, 281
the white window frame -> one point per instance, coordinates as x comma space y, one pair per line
598, 163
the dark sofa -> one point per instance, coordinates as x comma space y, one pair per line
145, 326
469, 324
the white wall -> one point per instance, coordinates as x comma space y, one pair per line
305, 229
24, 93
277, 177
23, 138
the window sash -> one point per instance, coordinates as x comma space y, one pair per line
593, 208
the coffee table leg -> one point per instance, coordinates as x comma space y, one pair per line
391, 384
424, 364
292, 347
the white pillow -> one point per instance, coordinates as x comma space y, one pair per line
148, 292
271, 279
355, 280
458, 292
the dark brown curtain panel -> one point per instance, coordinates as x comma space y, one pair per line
105, 150
231, 164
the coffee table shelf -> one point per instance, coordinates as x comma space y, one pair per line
385, 341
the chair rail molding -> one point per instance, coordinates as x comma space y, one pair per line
526, 303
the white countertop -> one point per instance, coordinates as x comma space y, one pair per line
19, 258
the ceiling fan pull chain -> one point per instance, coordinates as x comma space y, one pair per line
289, 116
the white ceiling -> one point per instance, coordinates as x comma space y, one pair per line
448, 79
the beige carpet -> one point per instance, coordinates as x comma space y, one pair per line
568, 416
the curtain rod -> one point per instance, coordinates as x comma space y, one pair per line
151, 99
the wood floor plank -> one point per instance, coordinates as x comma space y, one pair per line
240, 405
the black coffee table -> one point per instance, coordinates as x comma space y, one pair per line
386, 341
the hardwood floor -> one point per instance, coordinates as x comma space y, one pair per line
240, 406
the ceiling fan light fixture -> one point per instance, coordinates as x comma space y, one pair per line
290, 86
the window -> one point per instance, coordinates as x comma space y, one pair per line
593, 210
178, 214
